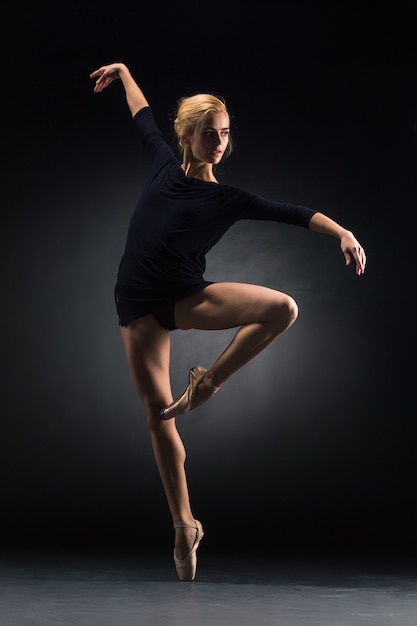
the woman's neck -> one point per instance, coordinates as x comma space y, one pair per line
200, 170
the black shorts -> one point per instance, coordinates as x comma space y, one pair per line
130, 309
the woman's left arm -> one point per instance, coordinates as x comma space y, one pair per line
349, 244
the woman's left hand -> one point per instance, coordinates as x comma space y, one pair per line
351, 248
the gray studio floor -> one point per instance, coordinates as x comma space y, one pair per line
80, 590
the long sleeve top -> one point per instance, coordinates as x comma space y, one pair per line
178, 219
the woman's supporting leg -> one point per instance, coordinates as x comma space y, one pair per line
262, 314
147, 346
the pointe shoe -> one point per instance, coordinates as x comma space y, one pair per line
184, 403
187, 567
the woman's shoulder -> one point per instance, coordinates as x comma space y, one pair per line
145, 124
153, 140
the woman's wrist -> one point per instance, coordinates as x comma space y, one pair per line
326, 226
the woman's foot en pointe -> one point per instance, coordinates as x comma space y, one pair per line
185, 550
199, 390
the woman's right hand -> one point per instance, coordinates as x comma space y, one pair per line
106, 75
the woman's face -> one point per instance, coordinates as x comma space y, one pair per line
209, 142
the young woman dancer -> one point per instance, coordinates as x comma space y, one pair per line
182, 212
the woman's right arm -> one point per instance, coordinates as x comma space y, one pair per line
108, 73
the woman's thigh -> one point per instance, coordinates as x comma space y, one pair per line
227, 305
147, 347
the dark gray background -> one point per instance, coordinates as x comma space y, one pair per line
313, 444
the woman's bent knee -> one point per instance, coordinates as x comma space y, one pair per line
286, 312
292, 310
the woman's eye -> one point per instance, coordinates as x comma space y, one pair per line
210, 133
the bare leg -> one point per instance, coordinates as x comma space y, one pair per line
262, 314
147, 346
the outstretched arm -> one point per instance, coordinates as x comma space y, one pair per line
108, 73
349, 244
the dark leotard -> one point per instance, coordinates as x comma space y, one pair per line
176, 222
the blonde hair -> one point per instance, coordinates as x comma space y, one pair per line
192, 112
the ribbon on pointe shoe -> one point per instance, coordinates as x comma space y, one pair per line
187, 566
